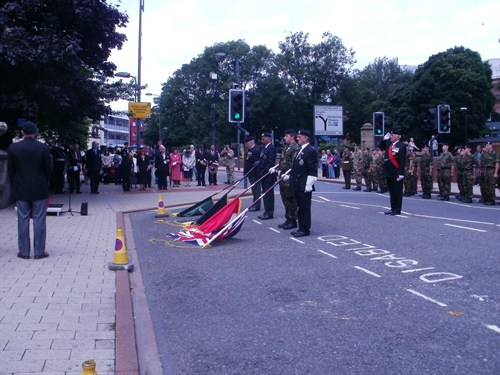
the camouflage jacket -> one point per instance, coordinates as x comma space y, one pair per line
287, 155
426, 163
488, 159
445, 160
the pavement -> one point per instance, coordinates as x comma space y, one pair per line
57, 312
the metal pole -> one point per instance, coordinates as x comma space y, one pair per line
213, 111
159, 119
139, 58
237, 73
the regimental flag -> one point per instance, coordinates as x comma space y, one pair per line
212, 211
199, 208
225, 223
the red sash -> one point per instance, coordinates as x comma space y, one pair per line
392, 158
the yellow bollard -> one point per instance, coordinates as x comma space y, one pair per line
120, 261
161, 208
89, 367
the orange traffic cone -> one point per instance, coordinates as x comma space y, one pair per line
161, 208
89, 367
120, 261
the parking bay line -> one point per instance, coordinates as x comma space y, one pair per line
468, 228
426, 298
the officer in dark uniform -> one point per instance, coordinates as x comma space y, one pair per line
59, 160
394, 169
267, 161
302, 178
251, 161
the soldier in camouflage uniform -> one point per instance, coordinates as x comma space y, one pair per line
357, 160
347, 167
287, 193
410, 174
489, 174
382, 182
227, 160
467, 164
445, 166
367, 168
375, 180
425, 164
459, 158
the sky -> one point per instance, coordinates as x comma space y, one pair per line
176, 31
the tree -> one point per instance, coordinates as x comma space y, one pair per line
54, 62
460, 78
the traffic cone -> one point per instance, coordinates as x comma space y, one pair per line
120, 261
89, 367
161, 208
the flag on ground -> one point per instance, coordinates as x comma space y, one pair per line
199, 208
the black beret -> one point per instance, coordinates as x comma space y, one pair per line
248, 139
290, 131
29, 128
268, 135
304, 132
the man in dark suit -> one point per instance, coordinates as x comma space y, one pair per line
213, 165
267, 161
93, 161
394, 169
162, 162
201, 164
303, 175
74, 168
30, 168
252, 159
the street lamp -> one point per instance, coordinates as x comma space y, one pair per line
137, 99
159, 115
128, 75
213, 77
463, 110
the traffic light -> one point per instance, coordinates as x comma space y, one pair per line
236, 105
430, 121
444, 118
378, 123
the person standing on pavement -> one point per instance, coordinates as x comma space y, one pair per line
286, 191
251, 170
162, 162
175, 167
267, 161
489, 174
59, 159
188, 164
303, 175
425, 165
433, 145
30, 168
347, 167
357, 162
445, 172
213, 165
367, 162
74, 169
126, 167
201, 165
468, 174
93, 161
336, 164
394, 169
227, 160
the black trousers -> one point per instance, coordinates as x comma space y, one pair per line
269, 196
200, 175
256, 191
396, 192
347, 178
74, 180
95, 176
304, 213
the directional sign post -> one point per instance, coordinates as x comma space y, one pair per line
328, 120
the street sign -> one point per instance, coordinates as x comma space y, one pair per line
139, 110
328, 120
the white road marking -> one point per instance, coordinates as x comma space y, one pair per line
275, 230
367, 271
317, 200
325, 199
451, 219
417, 269
426, 298
328, 254
461, 227
480, 298
345, 205
299, 241
493, 327
257, 222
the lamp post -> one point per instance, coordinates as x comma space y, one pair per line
463, 110
238, 84
128, 75
213, 77
160, 140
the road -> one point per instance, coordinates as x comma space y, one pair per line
366, 293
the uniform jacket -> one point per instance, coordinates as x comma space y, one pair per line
267, 161
399, 153
304, 164
74, 160
30, 168
253, 156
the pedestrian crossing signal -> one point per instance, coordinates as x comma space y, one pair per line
378, 123
444, 118
236, 105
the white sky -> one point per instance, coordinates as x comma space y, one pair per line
176, 31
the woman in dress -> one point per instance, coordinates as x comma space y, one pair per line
188, 163
175, 167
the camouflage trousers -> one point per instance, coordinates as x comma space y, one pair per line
368, 176
444, 178
488, 183
410, 183
358, 176
426, 182
288, 198
382, 182
230, 173
465, 183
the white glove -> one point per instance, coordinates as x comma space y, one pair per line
309, 183
286, 177
400, 178
273, 170
387, 136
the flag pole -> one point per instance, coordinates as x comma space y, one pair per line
272, 187
256, 182
217, 235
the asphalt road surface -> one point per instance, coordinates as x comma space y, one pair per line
365, 293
